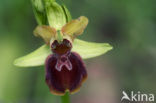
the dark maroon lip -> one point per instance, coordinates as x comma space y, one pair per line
61, 48
65, 78
65, 70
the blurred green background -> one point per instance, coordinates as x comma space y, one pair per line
128, 25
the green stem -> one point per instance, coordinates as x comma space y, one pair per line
65, 98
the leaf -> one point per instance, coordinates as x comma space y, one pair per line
85, 49
35, 58
90, 49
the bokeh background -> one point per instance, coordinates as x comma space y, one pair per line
128, 25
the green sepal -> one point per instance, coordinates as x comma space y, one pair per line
36, 58
85, 49
90, 49
55, 14
67, 13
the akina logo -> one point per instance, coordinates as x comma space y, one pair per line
140, 97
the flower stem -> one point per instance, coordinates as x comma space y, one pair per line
65, 98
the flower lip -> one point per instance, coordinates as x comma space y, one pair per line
62, 78
61, 48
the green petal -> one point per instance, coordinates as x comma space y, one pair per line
75, 27
45, 32
90, 49
85, 49
36, 58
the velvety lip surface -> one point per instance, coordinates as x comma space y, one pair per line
65, 79
61, 48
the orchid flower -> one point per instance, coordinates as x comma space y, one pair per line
62, 54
